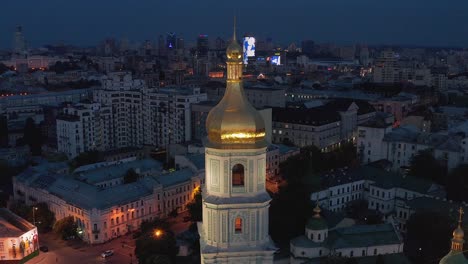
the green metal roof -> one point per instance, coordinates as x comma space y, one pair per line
316, 224
454, 258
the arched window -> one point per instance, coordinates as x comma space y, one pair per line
238, 225
238, 175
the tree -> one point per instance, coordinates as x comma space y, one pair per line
158, 259
424, 165
66, 227
195, 207
156, 242
380, 260
130, 176
33, 137
428, 237
3, 132
42, 216
457, 183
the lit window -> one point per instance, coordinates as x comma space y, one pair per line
238, 225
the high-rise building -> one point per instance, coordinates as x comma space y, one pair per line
235, 202
180, 43
161, 46
19, 43
84, 127
386, 68
202, 45
144, 116
308, 47
124, 95
171, 41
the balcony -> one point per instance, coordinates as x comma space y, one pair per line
96, 231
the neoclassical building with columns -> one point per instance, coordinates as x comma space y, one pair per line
235, 202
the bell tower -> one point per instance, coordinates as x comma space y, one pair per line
235, 202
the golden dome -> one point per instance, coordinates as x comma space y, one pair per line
234, 51
234, 122
458, 233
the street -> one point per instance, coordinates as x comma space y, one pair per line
77, 252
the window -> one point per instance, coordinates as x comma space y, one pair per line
351, 254
238, 225
375, 251
319, 236
2, 247
238, 175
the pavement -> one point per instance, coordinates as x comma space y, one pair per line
78, 252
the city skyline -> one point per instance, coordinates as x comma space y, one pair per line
86, 23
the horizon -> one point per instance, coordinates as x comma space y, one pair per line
419, 23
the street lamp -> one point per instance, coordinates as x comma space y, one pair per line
158, 233
34, 209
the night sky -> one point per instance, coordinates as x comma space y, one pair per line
86, 22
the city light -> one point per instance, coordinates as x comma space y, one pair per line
242, 135
158, 233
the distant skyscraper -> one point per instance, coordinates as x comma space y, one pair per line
180, 43
202, 45
161, 46
364, 56
386, 68
220, 43
124, 45
171, 41
308, 47
19, 44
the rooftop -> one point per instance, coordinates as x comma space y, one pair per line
12, 225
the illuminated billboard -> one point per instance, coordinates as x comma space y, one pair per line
249, 48
276, 60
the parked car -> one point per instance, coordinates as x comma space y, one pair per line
44, 248
107, 253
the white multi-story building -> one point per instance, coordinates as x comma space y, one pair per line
370, 136
400, 145
125, 96
102, 204
323, 126
381, 189
167, 115
143, 116
84, 127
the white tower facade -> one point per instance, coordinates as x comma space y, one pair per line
235, 202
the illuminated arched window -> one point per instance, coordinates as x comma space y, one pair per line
238, 175
238, 225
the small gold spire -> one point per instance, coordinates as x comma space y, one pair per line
317, 210
458, 234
